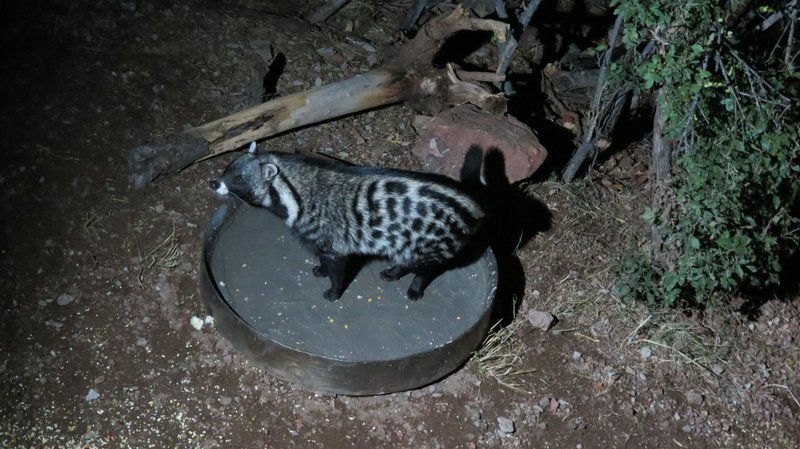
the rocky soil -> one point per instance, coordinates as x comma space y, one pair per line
100, 281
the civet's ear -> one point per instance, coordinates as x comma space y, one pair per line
269, 171
252, 149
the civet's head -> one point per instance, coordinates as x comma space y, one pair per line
247, 178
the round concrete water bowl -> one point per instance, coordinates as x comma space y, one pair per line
259, 288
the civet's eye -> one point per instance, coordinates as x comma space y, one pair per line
238, 178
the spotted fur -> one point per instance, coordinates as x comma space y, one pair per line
420, 222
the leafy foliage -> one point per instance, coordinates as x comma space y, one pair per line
728, 99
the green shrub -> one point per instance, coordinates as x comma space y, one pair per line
730, 213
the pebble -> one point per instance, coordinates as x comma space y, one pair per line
64, 299
92, 395
539, 319
645, 352
506, 425
130, 6
694, 398
263, 49
573, 423
196, 323
225, 400
576, 355
325, 52
141, 342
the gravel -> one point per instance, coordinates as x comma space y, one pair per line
92, 395
197, 323
539, 319
694, 398
64, 299
506, 425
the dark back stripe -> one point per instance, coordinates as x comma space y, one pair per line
372, 205
448, 201
395, 187
391, 208
357, 215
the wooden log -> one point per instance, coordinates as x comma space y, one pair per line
328, 9
408, 75
378, 87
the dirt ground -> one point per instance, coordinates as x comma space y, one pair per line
100, 280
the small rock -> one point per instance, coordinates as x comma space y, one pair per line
450, 134
263, 49
717, 369
687, 428
576, 355
141, 342
573, 423
645, 352
325, 52
506, 425
92, 395
225, 400
130, 6
539, 319
209, 320
554, 404
64, 299
694, 398
419, 122
196, 323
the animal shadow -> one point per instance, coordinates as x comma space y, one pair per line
514, 218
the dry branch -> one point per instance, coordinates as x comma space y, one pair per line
407, 75
328, 9
589, 132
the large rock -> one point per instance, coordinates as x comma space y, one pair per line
446, 138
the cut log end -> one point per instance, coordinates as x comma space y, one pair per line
164, 156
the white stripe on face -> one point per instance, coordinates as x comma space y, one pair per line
222, 189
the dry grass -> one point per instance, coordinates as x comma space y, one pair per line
167, 254
500, 356
91, 221
679, 343
592, 227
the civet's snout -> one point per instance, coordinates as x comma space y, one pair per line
218, 186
